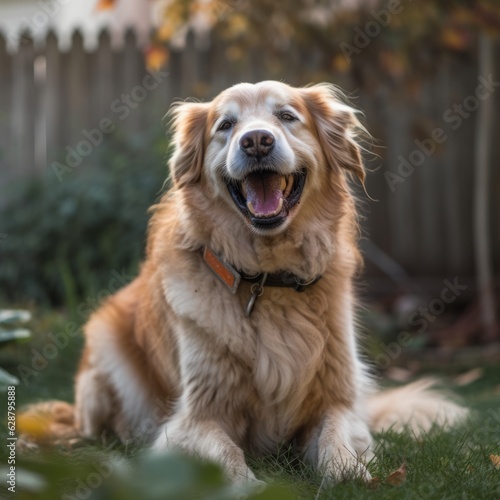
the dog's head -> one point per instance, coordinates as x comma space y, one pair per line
267, 149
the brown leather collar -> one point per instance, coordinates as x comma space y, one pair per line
232, 277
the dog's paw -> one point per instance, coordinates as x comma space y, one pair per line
344, 465
344, 448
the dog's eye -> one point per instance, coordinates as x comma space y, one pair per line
288, 117
225, 125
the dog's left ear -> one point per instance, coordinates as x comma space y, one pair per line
189, 122
337, 128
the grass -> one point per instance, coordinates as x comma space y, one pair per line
439, 465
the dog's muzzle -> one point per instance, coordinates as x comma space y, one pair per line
265, 197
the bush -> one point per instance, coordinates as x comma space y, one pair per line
62, 239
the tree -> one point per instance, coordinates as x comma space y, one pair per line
371, 39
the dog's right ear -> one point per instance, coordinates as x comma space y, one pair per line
189, 124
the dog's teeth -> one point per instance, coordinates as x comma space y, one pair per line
243, 190
280, 206
282, 183
250, 208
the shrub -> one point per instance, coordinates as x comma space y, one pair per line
62, 239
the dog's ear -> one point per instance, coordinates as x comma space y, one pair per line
189, 123
337, 128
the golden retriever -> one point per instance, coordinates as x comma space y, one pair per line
239, 332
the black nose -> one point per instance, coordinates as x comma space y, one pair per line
257, 143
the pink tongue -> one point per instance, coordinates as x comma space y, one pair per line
263, 192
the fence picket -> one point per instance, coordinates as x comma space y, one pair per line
77, 112
54, 120
5, 111
23, 109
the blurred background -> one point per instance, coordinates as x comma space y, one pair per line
84, 88
85, 85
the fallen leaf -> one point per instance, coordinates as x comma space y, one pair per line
398, 477
374, 483
469, 377
36, 426
495, 460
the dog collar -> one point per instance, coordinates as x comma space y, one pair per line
232, 277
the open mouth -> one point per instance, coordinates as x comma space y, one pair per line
266, 197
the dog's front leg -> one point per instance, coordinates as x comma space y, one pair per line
210, 418
340, 446
207, 440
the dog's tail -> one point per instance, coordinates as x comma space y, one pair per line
417, 406
47, 423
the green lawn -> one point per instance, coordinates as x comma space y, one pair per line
440, 465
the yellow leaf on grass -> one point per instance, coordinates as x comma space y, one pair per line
495, 460
398, 477
37, 426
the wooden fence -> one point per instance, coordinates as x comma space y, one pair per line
51, 100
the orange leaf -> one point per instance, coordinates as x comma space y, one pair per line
374, 483
105, 4
156, 57
495, 460
398, 477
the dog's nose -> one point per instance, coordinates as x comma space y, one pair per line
257, 143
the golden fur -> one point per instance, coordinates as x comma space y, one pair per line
174, 348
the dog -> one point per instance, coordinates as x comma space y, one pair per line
240, 331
